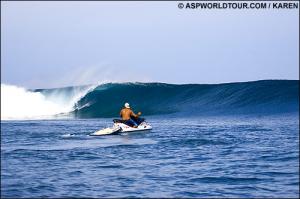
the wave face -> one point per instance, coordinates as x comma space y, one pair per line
258, 97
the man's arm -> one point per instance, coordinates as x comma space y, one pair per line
133, 114
121, 113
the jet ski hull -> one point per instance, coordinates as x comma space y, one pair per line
125, 128
120, 127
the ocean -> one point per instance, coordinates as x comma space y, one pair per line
225, 140
180, 157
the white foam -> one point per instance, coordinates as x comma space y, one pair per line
68, 135
18, 103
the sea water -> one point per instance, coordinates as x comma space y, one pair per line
236, 156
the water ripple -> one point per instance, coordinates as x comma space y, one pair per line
181, 157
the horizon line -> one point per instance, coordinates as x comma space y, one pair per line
154, 82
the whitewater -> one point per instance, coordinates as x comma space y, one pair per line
20, 103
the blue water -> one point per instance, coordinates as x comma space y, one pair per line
181, 157
255, 97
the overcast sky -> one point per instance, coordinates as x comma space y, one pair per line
54, 44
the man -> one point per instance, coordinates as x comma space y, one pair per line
127, 114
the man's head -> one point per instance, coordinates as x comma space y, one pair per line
126, 105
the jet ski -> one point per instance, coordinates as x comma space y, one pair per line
120, 127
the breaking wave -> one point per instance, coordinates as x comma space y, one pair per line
106, 100
21, 103
258, 97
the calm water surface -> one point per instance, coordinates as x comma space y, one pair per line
180, 157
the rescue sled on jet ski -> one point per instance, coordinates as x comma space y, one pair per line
120, 127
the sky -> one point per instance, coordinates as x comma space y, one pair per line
55, 44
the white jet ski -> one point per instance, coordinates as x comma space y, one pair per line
107, 131
125, 128
120, 127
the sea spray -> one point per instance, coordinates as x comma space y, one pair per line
21, 103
